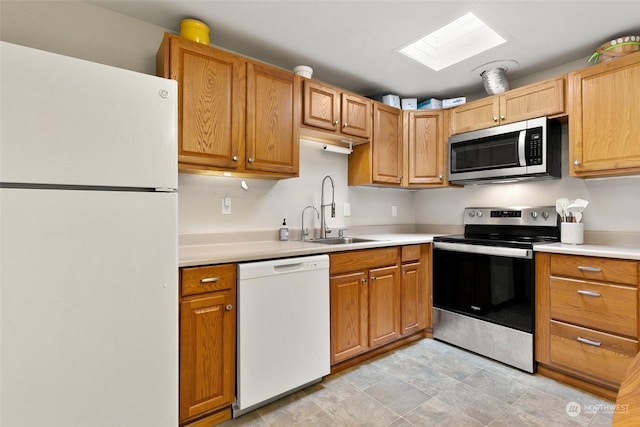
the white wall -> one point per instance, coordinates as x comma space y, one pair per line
90, 32
269, 201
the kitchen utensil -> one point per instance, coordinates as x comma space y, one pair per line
576, 208
561, 205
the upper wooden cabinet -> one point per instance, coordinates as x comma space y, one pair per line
604, 130
234, 115
272, 140
336, 113
546, 98
425, 148
380, 161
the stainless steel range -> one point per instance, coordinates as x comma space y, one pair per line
484, 282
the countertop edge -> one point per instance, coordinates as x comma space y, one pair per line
223, 253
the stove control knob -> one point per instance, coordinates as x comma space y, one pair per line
534, 214
472, 214
545, 214
479, 213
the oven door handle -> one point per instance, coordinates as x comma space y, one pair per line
485, 250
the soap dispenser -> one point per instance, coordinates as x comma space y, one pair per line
284, 230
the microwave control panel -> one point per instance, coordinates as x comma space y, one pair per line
533, 147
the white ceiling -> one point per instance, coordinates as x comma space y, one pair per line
353, 44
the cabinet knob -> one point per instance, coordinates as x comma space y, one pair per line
336, 122
577, 162
250, 159
440, 176
495, 119
363, 281
373, 278
502, 117
345, 125
229, 307
235, 158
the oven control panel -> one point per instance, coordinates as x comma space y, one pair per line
535, 216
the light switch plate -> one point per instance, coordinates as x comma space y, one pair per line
394, 211
226, 206
347, 209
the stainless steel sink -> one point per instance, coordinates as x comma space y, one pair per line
340, 240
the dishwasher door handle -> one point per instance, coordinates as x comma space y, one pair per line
287, 268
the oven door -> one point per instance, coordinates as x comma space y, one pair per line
491, 283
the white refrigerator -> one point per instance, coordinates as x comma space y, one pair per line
88, 244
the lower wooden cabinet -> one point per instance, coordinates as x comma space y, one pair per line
377, 298
207, 342
587, 318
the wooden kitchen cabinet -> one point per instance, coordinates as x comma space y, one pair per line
207, 343
384, 305
234, 114
604, 130
338, 114
365, 301
546, 98
415, 293
380, 161
586, 319
425, 148
348, 301
272, 140
378, 297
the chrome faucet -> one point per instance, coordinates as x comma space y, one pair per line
305, 232
323, 225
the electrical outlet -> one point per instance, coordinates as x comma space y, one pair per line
394, 211
347, 209
226, 206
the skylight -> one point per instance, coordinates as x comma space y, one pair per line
461, 39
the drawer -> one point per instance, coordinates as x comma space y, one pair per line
344, 262
610, 308
410, 253
600, 356
594, 268
200, 280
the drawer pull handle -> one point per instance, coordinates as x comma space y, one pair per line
589, 293
592, 269
209, 280
588, 341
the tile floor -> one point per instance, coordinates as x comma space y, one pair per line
429, 383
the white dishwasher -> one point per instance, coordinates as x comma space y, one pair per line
283, 328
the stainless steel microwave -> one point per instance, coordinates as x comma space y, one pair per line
522, 151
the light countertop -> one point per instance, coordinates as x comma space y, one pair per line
607, 251
218, 253
205, 253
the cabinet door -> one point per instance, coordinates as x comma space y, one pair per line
384, 305
387, 144
348, 315
412, 298
272, 119
211, 104
536, 100
321, 106
426, 148
207, 353
479, 114
604, 130
356, 116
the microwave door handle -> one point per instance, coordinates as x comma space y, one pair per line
521, 144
